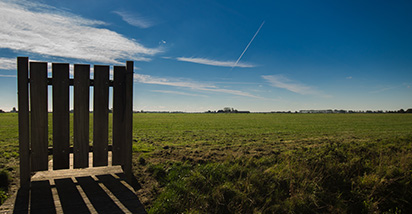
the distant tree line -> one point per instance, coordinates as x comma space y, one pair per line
401, 111
232, 110
329, 111
12, 111
227, 110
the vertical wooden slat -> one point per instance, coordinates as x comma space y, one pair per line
127, 165
100, 115
61, 123
81, 116
119, 113
23, 107
39, 117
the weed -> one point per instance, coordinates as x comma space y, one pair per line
261, 163
336, 177
4, 185
4, 179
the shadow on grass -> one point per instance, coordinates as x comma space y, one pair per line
107, 194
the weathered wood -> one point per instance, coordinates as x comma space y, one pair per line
71, 149
100, 115
70, 198
71, 82
61, 123
127, 197
23, 106
41, 198
127, 164
81, 115
39, 117
33, 124
119, 115
97, 196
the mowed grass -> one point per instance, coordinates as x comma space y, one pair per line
264, 132
262, 163
221, 128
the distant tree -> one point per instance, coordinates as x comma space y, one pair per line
227, 109
14, 110
401, 111
409, 110
1, 111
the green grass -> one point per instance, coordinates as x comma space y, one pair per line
262, 163
333, 178
282, 163
275, 130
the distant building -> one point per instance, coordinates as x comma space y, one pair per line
328, 111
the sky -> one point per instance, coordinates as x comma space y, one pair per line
195, 56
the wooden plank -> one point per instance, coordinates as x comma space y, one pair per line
41, 198
123, 193
127, 165
71, 149
119, 114
70, 198
100, 200
100, 115
71, 82
81, 116
23, 107
39, 117
61, 122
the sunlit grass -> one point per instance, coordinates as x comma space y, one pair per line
265, 163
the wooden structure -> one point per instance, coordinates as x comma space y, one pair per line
33, 82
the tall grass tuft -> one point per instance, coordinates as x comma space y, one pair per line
4, 185
333, 178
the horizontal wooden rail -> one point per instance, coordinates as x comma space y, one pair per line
50, 149
71, 82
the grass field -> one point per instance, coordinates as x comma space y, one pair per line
261, 163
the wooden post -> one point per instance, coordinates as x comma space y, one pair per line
39, 116
119, 115
100, 115
81, 116
61, 121
127, 167
23, 107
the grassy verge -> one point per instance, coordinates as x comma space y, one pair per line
260, 163
273, 163
333, 178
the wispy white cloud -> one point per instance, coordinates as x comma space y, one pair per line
8, 63
281, 81
45, 30
385, 88
134, 19
5, 75
189, 84
178, 93
205, 61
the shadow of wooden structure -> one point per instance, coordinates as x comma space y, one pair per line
91, 176
91, 190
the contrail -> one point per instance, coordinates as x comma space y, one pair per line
248, 45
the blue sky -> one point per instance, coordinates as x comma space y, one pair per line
205, 55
